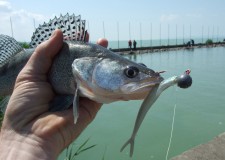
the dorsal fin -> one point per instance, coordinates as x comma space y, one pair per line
73, 28
8, 48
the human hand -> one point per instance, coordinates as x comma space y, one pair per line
103, 42
29, 130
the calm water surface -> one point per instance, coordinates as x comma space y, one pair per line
199, 113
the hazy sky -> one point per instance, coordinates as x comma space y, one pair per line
190, 17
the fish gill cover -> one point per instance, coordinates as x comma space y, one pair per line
73, 28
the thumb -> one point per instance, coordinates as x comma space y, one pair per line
41, 60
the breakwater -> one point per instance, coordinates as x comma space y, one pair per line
213, 150
152, 49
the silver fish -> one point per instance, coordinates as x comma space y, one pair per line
80, 69
94, 71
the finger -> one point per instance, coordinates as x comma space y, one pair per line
102, 42
87, 112
88, 109
86, 39
41, 60
63, 122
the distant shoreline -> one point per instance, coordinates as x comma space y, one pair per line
140, 50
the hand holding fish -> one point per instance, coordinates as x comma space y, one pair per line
39, 119
29, 130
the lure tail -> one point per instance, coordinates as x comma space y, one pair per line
131, 142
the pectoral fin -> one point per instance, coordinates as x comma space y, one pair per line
76, 105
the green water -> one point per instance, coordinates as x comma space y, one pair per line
199, 113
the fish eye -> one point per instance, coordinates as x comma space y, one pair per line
131, 71
142, 64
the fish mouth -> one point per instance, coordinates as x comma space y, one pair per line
142, 86
139, 91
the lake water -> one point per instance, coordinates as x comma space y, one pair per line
200, 110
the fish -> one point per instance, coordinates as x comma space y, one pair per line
83, 69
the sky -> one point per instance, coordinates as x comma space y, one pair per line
119, 19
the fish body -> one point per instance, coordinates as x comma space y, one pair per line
99, 73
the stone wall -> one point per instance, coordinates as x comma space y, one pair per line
213, 150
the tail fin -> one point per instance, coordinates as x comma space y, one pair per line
131, 142
8, 48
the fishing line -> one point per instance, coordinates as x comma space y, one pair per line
172, 127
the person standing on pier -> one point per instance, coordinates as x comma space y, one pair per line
130, 44
192, 42
135, 44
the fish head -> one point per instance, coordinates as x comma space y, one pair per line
109, 77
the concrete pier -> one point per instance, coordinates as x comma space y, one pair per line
163, 48
213, 150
